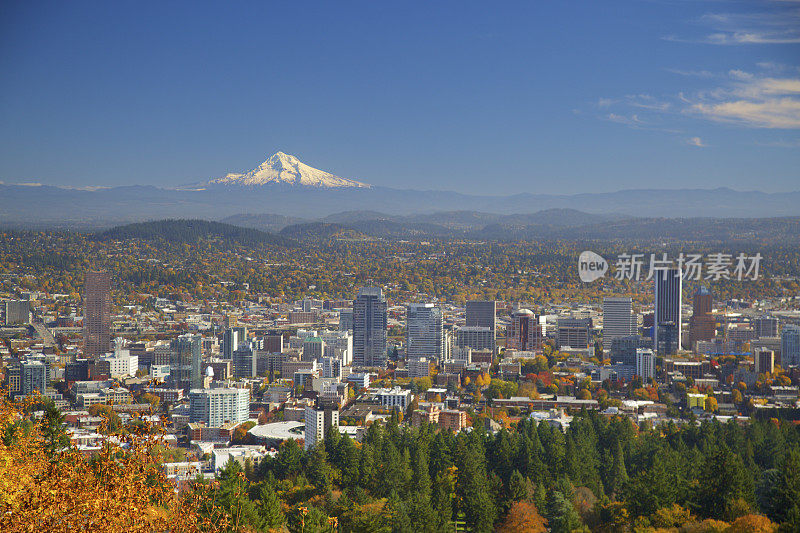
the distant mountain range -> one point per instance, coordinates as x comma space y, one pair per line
548, 225
551, 224
283, 186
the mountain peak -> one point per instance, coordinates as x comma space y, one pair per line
283, 168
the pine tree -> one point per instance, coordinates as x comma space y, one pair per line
269, 508
561, 515
619, 474
231, 497
52, 429
723, 480
477, 503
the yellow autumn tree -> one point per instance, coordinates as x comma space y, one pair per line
122, 488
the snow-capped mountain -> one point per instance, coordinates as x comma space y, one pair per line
288, 170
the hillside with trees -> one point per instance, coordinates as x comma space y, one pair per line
192, 231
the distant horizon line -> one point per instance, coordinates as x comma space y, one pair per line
198, 188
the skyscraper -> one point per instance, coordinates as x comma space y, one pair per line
765, 326
790, 346
97, 314
317, 424
645, 363
185, 362
668, 285
17, 312
244, 362
424, 331
525, 332
618, 320
369, 327
483, 313
215, 407
702, 325
764, 361
231, 339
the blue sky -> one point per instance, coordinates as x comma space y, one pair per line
478, 97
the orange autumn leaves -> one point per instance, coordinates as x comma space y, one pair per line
119, 489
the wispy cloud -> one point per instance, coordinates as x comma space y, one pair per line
630, 120
751, 100
779, 25
795, 143
696, 141
746, 98
691, 73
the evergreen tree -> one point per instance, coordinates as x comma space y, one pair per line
231, 498
722, 481
477, 503
561, 514
52, 429
618, 475
788, 492
269, 508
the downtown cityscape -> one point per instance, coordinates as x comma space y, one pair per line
522, 268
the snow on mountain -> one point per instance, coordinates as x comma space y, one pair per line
287, 169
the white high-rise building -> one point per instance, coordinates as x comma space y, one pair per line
215, 407
122, 363
317, 422
338, 344
424, 331
645, 364
618, 320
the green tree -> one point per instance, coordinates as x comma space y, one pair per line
269, 508
52, 429
722, 481
561, 515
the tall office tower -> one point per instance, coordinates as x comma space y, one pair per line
475, 337
313, 349
34, 376
17, 312
424, 332
702, 324
346, 319
273, 343
645, 364
525, 332
244, 362
574, 332
765, 361
369, 327
339, 344
317, 423
231, 339
765, 326
215, 407
623, 350
790, 346
618, 320
483, 314
668, 285
97, 314
185, 362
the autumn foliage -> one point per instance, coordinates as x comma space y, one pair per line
120, 488
523, 517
